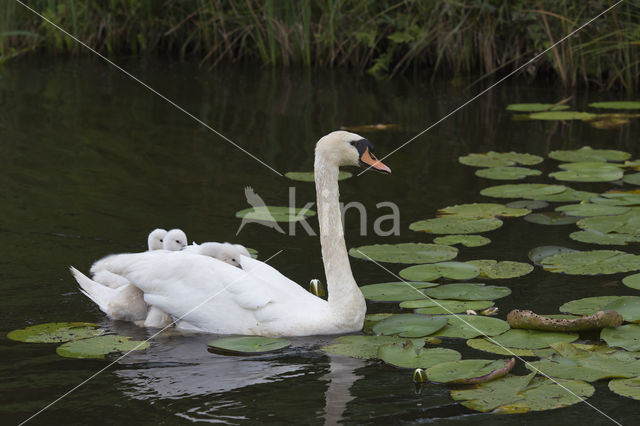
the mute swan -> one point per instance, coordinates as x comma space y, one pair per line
175, 240
154, 240
226, 252
212, 296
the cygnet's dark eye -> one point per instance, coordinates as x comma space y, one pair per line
160, 239
178, 241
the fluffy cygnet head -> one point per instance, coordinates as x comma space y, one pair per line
154, 241
228, 253
174, 240
241, 249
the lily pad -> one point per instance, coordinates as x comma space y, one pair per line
409, 325
410, 355
588, 171
362, 347
627, 306
507, 173
275, 214
592, 262
627, 223
586, 153
464, 371
616, 105
309, 176
617, 199
482, 344
98, 347
437, 307
499, 159
493, 269
248, 344
626, 387
433, 271
405, 253
528, 204
590, 209
536, 255
395, 291
588, 305
632, 281
632, 179
625, 336
465, 240
567, 195
522, 190
468, 291
595, 237
550, 218
535, 107
562, 115
470, 326
456, 225
56, 332
483, 210
532, 339
521, 394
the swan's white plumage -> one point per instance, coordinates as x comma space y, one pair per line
226, 252
154, 240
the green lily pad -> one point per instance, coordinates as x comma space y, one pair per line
588, 171
483, 210
562, 115
521, 394
470, 326
522, 190
465, 240
482, 344
468, 291
410, 355
252, 252
567, 195
438, 307
616, 105
627, 306
98, 347
536, 255
56, 332
362, 347
595, 237
433, 271
405, 253
507, 173
456, 225
395, 291
309, 176
590, 209
588, 305
535, 107
586, 153
463, 371
493, 269
499, 159
632, 179
625, 336
592, 262
550, 218
409, 325
617, 199
372, 319
626, 387
248, 344
632, 281
626, 223
275, 214
528, 204
573, 362
532, 339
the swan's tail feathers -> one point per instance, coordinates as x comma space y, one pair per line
122, 303
101, 264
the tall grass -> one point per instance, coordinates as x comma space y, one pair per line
382, 37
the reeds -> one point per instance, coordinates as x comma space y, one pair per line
453, 38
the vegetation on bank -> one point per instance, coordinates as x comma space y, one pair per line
467, 39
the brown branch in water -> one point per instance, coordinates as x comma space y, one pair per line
495, 374
533, 321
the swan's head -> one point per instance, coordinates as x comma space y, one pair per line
174, 240
228, 253
348, 149
154, 241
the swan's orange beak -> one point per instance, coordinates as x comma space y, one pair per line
367, 158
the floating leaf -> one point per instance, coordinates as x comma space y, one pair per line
586, 153
507, 173
470, 326
275, 214
595, 237
98, 347
395, 291
466, 370
499, 159
483, 210
627, 223
465, 240
456, 225
433, 271
535, 107
363, 347
632, 281
627, 306
436, 307
409, 355
589, 209
522, 190
56, 332
616, 105
372, 319
562, 115
588, 171
309, 176
482, 344
625, 337
537, 254
405, 253
626, 387
528, 204
632, 179
252, 252
550, 218
521, 394
617, 199
468, 291
409, 325
532, 339
588, 305
248, 344
592, 262
566, 196
493, 269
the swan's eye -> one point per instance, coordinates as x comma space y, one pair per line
353, 143
160, 239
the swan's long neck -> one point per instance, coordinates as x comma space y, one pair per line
346, 302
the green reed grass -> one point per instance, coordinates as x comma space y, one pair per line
451, 38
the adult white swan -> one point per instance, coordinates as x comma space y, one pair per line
209, 295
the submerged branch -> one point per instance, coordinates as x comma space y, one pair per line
533, 321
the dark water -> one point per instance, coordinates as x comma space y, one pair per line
91, 162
